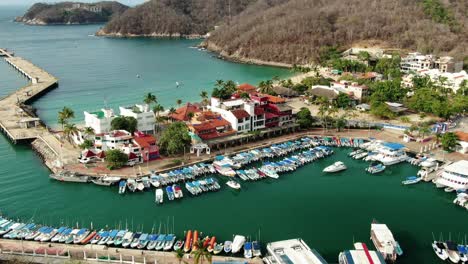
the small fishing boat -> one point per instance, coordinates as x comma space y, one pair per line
159, 196
97, 237
463, 253
178, 245
106, 181
131, 185
127, 239
146, 182
65, 235
170, 193
195, 240
233, 184
360, 155
227, 246
139, 185
375, 168
122, 187
135, 240
155, 181
218, 248
411, 180
143, 241
256, 249
211, 244
449, 189
440, 250
237, 243
177, 191
206, 242
188, 241
120, 238
113, 236
248, 250
335, 167
82, 234
169, 242
160, 242
452, 251
88, 238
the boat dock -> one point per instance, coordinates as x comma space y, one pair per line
17, 121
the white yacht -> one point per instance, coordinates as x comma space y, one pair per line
237, 243
384, 242
391, 153
335, 167
454, 176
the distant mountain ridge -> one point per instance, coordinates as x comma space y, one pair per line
71, 13
173, 18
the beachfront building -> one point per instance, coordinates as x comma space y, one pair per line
243, 114
448, 80
112, 140
144, 116
454, 176
277, 112
324, 91
148, 148
292, 251
416, 61
352, 89
210, 125
100, 121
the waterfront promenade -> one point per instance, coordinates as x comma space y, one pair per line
65, 253
18, 122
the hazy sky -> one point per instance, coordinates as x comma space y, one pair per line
30, 2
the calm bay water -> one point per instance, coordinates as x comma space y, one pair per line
327, 211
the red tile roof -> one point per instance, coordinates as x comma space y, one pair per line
181, 114
462, 136
273, 99
145, 141
248, 88
239, 113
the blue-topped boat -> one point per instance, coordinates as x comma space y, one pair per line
411, 180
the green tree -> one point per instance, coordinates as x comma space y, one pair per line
266, 87
174, 138
149, 99
224, 89
87, 144
340, 123
179, 254
179, 102
449, 141
201, 253
389, 67
127, 123
88, 131
64, 115
69, 130
381, 110
116, 159
304, 118
204, 97
342, 101
364, 56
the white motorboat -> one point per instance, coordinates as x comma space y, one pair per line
237, 243
139, 185
384, 242
440, 250
233, 184
449, 189
335, 167
159, 196
411, 180
122, 187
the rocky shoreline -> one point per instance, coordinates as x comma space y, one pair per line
101, 33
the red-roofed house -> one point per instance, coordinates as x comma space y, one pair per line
246, 88
147, 143
209, 125
112, 140
182, 114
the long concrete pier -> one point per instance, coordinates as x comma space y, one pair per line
17, 122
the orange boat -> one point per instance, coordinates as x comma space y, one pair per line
188, 241
206, 241
212, 244
88, 238
195, 241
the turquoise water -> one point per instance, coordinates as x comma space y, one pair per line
327, 211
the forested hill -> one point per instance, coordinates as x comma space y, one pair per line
174, 17
295, 31
71, 13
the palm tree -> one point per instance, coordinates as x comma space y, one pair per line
219, 84
88, 131
157, 109
64, 115
179, 253
150, 98
172, 111
201, 254
69, 130
204, 96
178, 102
266, 87
190, 115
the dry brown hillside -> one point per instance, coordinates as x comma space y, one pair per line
293, 31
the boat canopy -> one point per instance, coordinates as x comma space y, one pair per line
394, 146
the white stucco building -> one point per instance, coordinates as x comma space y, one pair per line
144, 116
100, 120
243, 114
448, 80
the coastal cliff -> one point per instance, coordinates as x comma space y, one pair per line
71, 13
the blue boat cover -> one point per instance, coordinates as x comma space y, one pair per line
394, 146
